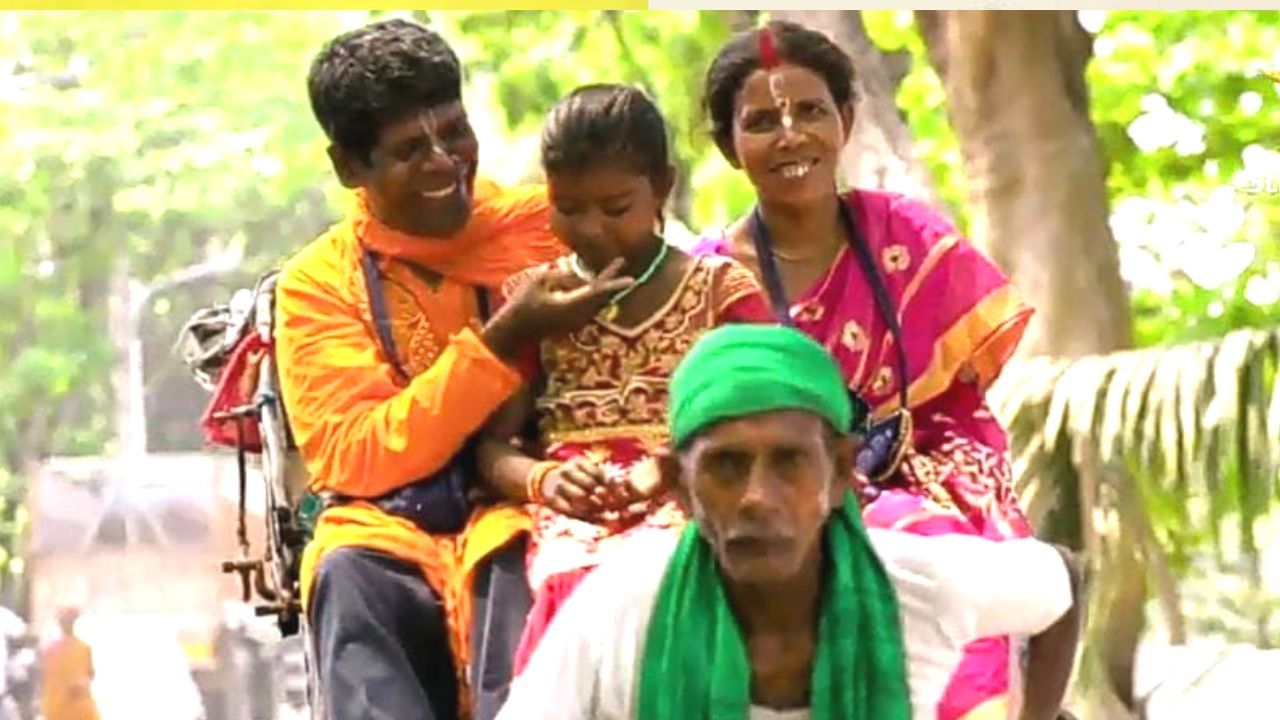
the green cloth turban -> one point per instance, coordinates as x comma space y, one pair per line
745, 369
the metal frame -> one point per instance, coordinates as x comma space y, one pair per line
273, 576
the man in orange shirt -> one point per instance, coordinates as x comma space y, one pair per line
388, 366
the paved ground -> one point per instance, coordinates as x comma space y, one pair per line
1209, 681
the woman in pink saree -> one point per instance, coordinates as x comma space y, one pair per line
908, 308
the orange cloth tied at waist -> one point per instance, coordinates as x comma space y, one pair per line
448, 562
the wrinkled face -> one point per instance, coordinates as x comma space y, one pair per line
607, 211
788, 133
761, 489
421, 174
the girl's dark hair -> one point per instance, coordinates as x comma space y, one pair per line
795, 44
373, 75
605, 123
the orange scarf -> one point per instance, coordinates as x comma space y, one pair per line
508, 232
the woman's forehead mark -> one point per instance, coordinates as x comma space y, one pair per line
771, 62
781, 97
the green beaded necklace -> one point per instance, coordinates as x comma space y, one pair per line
611, 311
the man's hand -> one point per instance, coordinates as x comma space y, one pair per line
551, 303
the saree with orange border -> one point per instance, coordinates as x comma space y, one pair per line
961, 320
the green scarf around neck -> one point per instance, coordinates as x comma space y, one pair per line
695, 664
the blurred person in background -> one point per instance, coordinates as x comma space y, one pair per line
67, 674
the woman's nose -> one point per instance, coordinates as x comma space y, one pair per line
789, 134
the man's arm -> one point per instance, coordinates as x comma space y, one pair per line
1020, 587
1051, 654
505, 468
362, 434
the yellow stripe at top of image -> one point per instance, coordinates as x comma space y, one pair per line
319, 5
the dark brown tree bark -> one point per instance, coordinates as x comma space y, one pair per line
1017, 99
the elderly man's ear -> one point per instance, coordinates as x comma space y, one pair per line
845, 449
669, 470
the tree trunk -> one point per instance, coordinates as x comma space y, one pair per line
880, 152
118, 331
1018, 102
1017, 99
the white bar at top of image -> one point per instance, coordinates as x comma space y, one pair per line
969, 5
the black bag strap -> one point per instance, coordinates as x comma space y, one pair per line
778, 295
769, 268
382, 318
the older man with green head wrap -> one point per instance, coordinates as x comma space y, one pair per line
775, 602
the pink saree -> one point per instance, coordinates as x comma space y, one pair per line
961, 320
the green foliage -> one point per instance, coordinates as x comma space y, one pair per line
664, 53
1211, 121
1193, 429
922, 100
1202, 189
1197, 424
122, 166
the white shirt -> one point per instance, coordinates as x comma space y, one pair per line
952, 589
11, 626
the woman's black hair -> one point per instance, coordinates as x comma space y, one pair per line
366, 78
606, 123
795, 44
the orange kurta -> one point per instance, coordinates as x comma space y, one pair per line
360, 429
66, 674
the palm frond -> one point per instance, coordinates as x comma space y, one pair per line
1198, 424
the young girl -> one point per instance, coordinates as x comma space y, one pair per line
599, 395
